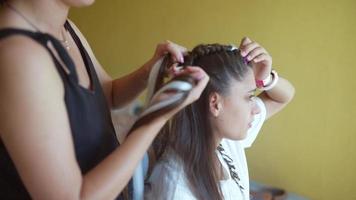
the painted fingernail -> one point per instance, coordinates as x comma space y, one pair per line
245, 60
181, 59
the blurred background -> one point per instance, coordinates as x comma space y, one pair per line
310, 147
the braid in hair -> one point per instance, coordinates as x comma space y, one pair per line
203, 50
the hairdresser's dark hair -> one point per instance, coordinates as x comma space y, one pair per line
189, 133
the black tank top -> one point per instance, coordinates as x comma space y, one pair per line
89, 115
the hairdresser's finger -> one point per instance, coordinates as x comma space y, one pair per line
175, 70
181, 48
170, 71
199, 88
169, 47
181, 71
202, 80
195, 72
187, 70
176, 51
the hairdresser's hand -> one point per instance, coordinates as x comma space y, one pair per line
202, 80
176, 51
257, 56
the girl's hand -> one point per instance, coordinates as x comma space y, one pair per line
258, 57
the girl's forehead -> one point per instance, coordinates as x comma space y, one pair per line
247, 84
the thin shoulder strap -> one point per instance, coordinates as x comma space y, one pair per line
86, 58
74, 35
43, 39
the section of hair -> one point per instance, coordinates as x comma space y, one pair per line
189, 133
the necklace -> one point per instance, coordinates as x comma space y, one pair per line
229, 162
64, 41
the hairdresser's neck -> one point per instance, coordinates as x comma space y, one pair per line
47, 16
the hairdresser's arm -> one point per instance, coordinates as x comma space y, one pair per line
135, 82
282, 93
123, 90
35, 129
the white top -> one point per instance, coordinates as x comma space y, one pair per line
168, 181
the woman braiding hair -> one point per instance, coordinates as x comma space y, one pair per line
57, 139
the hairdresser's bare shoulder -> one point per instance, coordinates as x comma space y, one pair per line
23, 60
34, 124
27, 73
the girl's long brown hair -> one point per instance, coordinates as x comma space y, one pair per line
189, 133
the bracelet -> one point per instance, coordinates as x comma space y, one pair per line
274, 76
265, 82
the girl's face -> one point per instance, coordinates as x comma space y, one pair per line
236, 110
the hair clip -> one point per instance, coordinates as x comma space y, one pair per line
233, 47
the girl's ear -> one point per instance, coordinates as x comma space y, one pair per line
215, 104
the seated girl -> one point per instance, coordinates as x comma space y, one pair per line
200, 153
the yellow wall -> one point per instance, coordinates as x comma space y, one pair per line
310, 147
